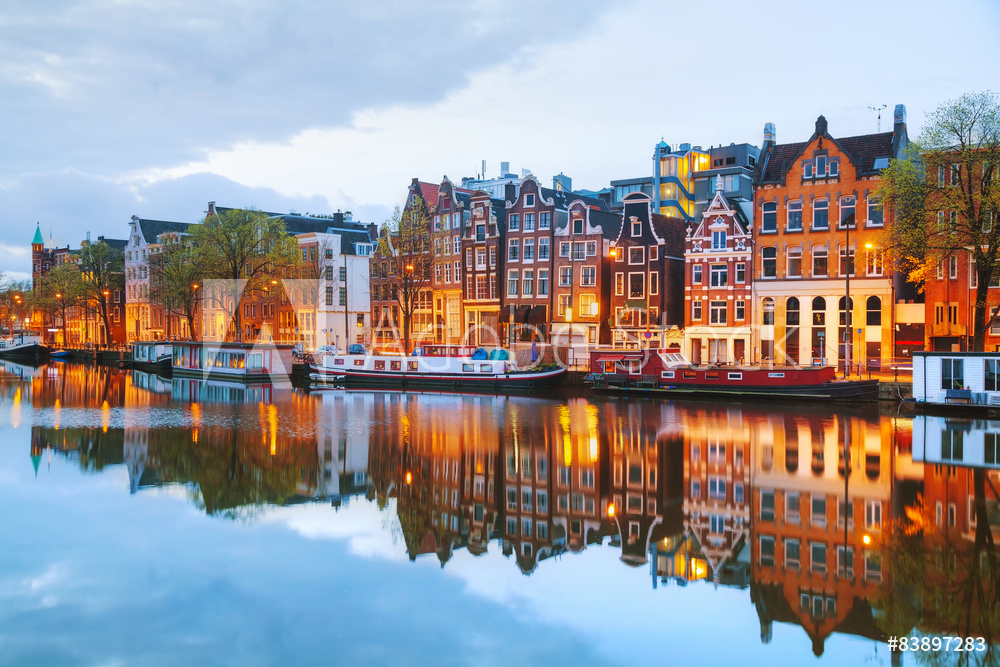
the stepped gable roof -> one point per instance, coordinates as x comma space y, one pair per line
151, 229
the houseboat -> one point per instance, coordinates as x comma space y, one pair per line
235, 362
665, 372
155, 356
956, 441
436, 366
951, 382
22, 347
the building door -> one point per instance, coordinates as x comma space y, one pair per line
739, 350
695, 350
873, 355
716, 351
792, 346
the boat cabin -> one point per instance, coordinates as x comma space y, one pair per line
956, 441
957, 378
150, 352
233, 361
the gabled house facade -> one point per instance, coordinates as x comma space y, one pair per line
816, 239
482, 240
448, 216
647, 286
718, 256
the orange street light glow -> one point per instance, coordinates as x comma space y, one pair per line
611, 510
409, 477
866, 539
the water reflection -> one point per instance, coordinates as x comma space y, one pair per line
848, 523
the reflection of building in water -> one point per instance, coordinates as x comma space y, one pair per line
342, 439
79, 386
811, 564
715, 541
646, 478
445, 497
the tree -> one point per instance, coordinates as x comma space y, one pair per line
404, 261
61, 289
244, 247
102, 267
180, 267
15, 304
945, 196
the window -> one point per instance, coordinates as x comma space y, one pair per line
480, 258
565, 276
767, 311
529, 222
544, 220
953, 267
834, 167
588, 276
636, 255
717, 312
792, 554
818, 510
874, 212
636, 286
592, 249
767, 505
990, 448
588, 305
343, 296
578, 225
696, 311
564, 249
543, 282
873, 307
528, 284
952, 376
873, 514
717, 488
619, 284
820, 166
696, 489
741, 273
719, 240
696, 274
719, 275
654, 283
847, 206
821, 214
741, 310
792, 312
329, 296
992, 377
493, 255
769, 217
636, 227
845, 561
529, 200
342, 274
543, 249
766, 550
794, 215
328, 273
807, 169
820, 263
513, 249
769, 262
956, 174
654, 253
514, 222
795, 262
952, 444
817, 557
512, 283
873, 262
846, 261
529, 250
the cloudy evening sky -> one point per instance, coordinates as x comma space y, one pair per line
114, 108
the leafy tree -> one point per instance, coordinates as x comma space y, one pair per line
945, 197
102, 268
246, 248
180, 267
15, 303
404, 261
61, 290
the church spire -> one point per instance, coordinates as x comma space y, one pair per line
38, 240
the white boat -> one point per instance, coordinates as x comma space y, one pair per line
153, 355
22, 347
436, 366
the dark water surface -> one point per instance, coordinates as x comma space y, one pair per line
150, 521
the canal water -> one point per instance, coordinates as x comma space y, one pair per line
157, 521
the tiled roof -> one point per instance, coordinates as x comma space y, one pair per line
429, 192
564, 198
151, 229
862, 149
114, 243
611, 224
672, 231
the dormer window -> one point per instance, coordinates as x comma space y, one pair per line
578, 225
529, 200
636, 227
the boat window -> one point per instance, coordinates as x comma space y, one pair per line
395, 365
735, 376
485, 368
411, 365
712, 375
775, 375
667, 375
690, 375
338, 362
610, 367
359, 362
380, 365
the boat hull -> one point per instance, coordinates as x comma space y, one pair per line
33, 351
852, 390
519, 381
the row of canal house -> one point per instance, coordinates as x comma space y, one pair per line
540, 264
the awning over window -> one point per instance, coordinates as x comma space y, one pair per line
537, 315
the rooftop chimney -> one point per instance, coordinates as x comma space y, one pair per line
899, 114
211, 208
821, 126
769, 134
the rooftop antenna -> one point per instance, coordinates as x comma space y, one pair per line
878, 116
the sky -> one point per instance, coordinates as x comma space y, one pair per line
115, 108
